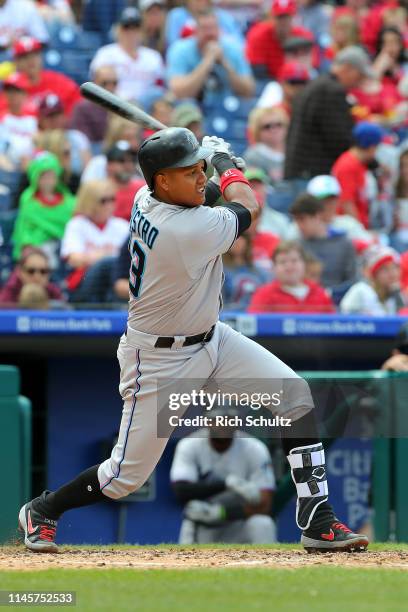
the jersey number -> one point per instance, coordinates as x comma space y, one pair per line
137, 268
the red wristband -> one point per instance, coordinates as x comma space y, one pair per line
232, 175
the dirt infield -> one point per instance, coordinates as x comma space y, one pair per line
18, 558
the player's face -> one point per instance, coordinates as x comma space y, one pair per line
182, 186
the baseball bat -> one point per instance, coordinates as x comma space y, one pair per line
117, 105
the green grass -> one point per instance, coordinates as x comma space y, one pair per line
322, 588
317, 589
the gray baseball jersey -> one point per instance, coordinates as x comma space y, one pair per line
247, 458
176, 271
175, 285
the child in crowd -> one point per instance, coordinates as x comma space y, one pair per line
241, 276
379, 293
45, 208
291, 291
326, 189
333, 249
352, 170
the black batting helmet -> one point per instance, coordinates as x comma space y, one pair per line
172, 147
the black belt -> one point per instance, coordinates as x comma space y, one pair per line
168, 341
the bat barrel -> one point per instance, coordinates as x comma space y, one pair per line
117, 105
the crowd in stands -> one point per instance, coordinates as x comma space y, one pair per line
313, 95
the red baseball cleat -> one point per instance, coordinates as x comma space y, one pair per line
39, 531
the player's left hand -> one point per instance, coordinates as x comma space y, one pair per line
217, 145
204, 512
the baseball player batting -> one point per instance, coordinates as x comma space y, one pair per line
176, 242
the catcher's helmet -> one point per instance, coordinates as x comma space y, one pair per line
172, 147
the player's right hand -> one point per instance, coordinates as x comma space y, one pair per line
248, 490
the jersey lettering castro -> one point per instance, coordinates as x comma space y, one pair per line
176, 270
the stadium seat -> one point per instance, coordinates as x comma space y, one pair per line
64, 37
260, 85
10, 181
227, 117
5, 198
75, 64
88, 41
230, 106
280, 199
68, 37
53, 60
7, 220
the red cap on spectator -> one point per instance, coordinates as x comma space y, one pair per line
50, 105
379, 256
26, 45
17, 80
283, 7
294, 71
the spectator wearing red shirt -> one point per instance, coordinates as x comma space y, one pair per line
376, 101
28, 59
352, 172
266, 39
291, 291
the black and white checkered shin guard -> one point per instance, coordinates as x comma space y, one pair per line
308, 467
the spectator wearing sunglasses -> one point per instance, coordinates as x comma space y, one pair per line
92, 241
89, 118
139, 69
30, 276
267, 131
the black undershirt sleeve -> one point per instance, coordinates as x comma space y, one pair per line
243, 215
212, 194
186, 491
